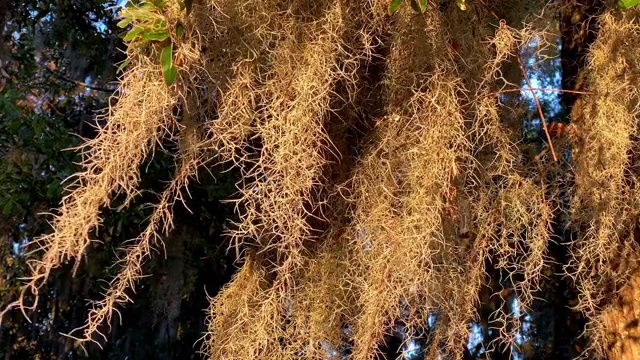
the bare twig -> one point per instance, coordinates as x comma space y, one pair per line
79, 83
535, 97
540, 89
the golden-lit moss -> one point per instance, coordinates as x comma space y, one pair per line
439, 185
605, 205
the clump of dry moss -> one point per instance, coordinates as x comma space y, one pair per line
411, 198
605, 205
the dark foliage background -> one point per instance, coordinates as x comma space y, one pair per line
58, 58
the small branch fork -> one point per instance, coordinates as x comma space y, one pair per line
533, 92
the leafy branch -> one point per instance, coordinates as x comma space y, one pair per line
627, 4
149, 26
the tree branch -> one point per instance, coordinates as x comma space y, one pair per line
79, 83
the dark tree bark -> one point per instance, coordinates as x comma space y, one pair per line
622, 322
579, 28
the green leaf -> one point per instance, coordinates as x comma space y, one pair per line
626, 4
166, 60
159, 25
179, 30
170, 75
138, 13
166, 56
158, 3
122, 66
148, 6
151, 35
131, 35
124, 23
52, 189
423, 6
462, 4
394, 5
7, 208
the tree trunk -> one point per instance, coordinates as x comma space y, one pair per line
621, 323
621, 319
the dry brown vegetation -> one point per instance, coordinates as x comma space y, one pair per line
380, 169
605, 208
